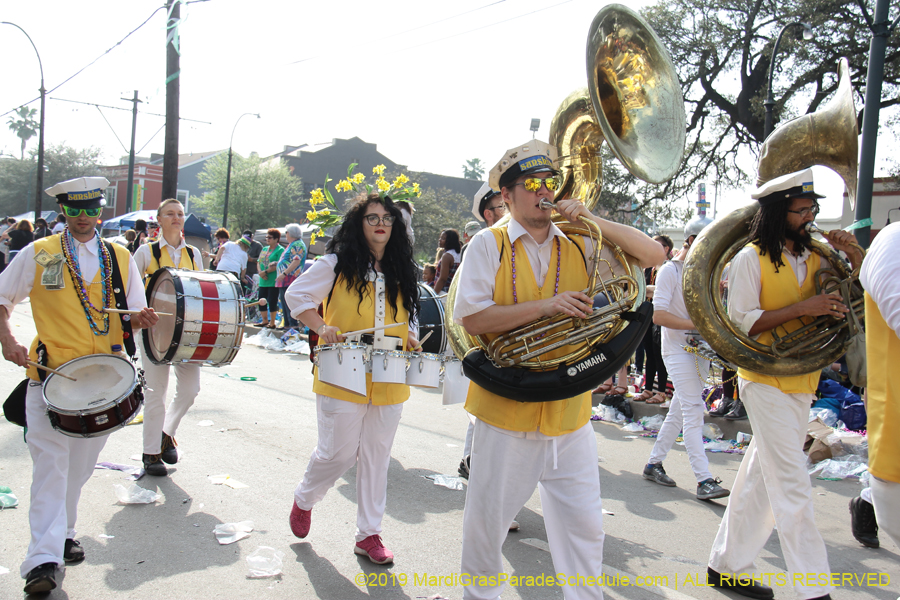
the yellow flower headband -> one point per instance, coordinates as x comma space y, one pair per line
325, 217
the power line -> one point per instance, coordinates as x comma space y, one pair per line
128, 109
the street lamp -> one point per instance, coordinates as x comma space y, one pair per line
889, 216
40, 164
770, 103
228, 175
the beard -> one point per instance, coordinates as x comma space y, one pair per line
538, 222
801, 238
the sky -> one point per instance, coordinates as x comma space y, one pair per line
431, 83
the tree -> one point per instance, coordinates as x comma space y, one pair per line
473, 169
24, 125
437, 210
262, 194
61, 163
722, 50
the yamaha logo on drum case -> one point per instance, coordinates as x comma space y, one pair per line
590, 362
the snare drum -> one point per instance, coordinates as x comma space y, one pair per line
105, 397
424, 369
456, 384
431, 318
208, 322
343, 365
389, 366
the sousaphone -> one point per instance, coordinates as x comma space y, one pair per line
634, 103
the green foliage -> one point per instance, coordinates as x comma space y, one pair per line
262, 194
24, 125
437, 210
473, 169
18, 177
722, 50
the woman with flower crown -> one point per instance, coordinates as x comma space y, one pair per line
366, 279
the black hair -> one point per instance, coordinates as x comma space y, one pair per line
140, 225
768, 230
355, 258
451, 241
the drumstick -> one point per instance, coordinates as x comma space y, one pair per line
133, 312
260, 302
54, 371
371, 329
423, 340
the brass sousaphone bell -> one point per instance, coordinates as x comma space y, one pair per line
828, 137
634, 103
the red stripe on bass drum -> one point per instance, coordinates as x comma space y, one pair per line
209, 332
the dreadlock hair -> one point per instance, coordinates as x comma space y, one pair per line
355, 258
769, 228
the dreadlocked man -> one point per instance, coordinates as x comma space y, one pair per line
773, 289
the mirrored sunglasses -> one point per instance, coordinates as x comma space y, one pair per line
533, 184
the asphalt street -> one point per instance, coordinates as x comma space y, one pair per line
262, 434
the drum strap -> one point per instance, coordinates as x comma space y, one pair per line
121, 302
157, 254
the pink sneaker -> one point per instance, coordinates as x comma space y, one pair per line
373, 548
300, 521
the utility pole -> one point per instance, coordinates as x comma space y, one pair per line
129, 193
173, 74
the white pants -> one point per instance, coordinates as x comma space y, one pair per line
470, 433
886, 496
685, 413
505, 471
773, 488
352, 434
61, 467
156, 418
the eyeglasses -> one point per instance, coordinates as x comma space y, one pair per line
75, 212
533, 184
499, 207
805, 212
375, 220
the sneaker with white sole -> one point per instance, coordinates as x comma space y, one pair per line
373, 548
656, 473
709, 489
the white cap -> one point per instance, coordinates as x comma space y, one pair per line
82, 192
793, 185
533, 157
484, 193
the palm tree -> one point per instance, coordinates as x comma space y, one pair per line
473, 169
24, 126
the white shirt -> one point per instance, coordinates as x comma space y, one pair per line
233, 259
58, 228
669, 296
482, 261
309, 290
143, 256
880, 274
17, 280
744, 285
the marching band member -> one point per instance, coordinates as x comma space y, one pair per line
368, 278
520, 444
170, 250
880, 276
772, 286
75, 270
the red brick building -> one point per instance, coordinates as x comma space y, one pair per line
147, 183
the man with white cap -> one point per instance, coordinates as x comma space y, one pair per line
487, 205
518, 445
71, 279
772, 290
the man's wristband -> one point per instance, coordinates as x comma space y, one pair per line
319, 330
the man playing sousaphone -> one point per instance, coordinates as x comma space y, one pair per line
170, 250
772, 289
512, 275
75, 273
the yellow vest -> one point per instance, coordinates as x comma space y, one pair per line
550, 418
165, 260
883, 404
341, 311
60, 319
778, 290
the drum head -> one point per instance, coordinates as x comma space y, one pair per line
162, 296
431, 318
101, 379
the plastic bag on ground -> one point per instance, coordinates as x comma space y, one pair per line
448, 481
636, 426
840, 468
7, 498
828, 416
717, 446
135, 494
653, 422
712, 431
229, 533
265, 562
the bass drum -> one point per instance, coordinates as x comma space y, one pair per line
431, 319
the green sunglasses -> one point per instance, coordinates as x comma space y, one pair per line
76, 212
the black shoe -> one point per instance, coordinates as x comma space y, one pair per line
464, 465
724, 408
72, 551
169, 453
739, 584
41, 579
153, 465
863, 523
710, 489
655, 472
737, 412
